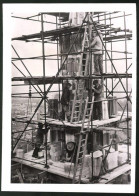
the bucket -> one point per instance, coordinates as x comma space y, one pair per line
97, 160
20, 153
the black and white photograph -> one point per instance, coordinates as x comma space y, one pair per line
68, 97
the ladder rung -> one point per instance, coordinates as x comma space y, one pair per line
87, 115
80, 162
77, 106
80, 152
76, 181
84, 132
76, 174
78, 101
75, 122
82, 140
87, 121
78, 171
75, 117
82, 146
79, 168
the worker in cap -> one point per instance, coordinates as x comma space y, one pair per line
97, 48
65, 99
97, 108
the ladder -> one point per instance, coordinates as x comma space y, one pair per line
84, 55
77, 102
80, 85
82, 145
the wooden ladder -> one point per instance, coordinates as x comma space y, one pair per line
77, 102
82, 145
80, 85
84, 55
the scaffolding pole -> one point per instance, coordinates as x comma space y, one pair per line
112, 63
126, 86
43, 54
90, 77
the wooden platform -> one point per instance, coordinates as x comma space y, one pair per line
57, 80
95, 123
109, 177
56, 170
53, 34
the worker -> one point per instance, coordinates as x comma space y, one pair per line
39, 138
97, 46
97, 107
65, 99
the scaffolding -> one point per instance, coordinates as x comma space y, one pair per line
111, 76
